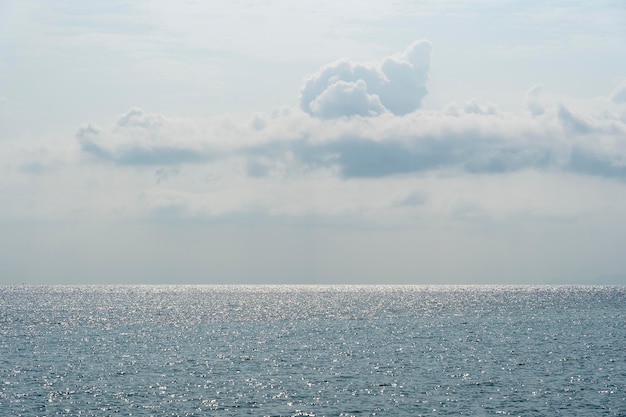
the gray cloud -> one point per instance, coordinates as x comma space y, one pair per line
346, 88
161, 156
480, 143
591, 162
162, 174
413, 199
87, 137
363, 157
257, 169
571, 122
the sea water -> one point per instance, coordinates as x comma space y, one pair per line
312, 351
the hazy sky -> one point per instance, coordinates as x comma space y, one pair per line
312, 142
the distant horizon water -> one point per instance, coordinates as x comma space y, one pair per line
343, 350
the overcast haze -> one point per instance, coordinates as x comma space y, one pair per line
388, 142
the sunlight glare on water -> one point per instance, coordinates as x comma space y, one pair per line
312, 350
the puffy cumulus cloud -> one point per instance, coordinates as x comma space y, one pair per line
397, 85
346, 98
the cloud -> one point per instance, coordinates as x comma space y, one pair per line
476, 107
138, 118
347, 88
413, 199
473, 139
533, 100
140, 138
422, 142
385, 134
619, 94
591, 162
346, 98
163, 174
571, 122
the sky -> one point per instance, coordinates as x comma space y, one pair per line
280, 142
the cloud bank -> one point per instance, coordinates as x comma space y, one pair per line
357, 148
359, 144
472, 139
362, 120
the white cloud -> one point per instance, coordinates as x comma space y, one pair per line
476, 107
396, 84
346, 98
619, 94
139, 138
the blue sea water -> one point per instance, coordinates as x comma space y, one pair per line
312, 351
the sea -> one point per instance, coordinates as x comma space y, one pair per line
312, 350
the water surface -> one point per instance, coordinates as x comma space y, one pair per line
312, 350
